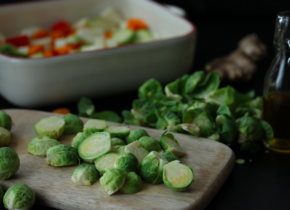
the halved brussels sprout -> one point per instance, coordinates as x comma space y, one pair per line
9, 163
121, 150
137, 149
177, 176
93, 125
5, 120
85, 175
169, 156
95, 146
73, 124
133, 184
150, 143
170, 144
136, 135
113, 180
79, 138
127, 162
5, 137
118, 131
116, 144
152, 167
38, 146
19, 196
52, 127
106, 162
62, 155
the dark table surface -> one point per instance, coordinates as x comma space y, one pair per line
263, 183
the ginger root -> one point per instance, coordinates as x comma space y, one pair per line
241, 63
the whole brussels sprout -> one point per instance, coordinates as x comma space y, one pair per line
136, 135
73, 124
19, 196
5, 121
9, 163
113, 180
62, 155
177, 176
152, 167
118, 131
85, 175
38, 146
150, 143
133, 184
169, 156
5, 137
127, 162
52, 127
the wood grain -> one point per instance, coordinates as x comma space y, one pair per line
211, 161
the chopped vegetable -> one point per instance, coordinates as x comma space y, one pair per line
92, 126
85, 175
170, 144
5, 120
127, 162
38, 146
62, 155
136, 135
5, 137
61, 110
136, 24
106, 162
18, 41
113, 180
133, 184
137, 149
118, 131
73, 124
52, 127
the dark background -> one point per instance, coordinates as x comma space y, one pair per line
263, 183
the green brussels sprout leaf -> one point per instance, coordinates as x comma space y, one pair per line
108, 116
149, 88
268, 132
73, 124
86, 107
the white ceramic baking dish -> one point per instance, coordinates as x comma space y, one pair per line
55, 80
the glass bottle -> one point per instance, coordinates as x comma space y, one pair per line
277, 87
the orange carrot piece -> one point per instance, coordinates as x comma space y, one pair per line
35, 49
40, 34
63, 50
136, 24
48, 53
61, 111
108, 34
57, 34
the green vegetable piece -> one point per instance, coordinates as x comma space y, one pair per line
152, 167
121, 150
19, 196
73, 124
1, 193
169, 156
5, 120
108, 116
9, 163
86, 107
133, 184
172, 90
85, 175
93, 125
228, 129
170, 144
52, 127
5, 137
177, 176
167, 120
124, 36
137, 149
113, 180
250, 129
9, 49
118, 131
202, 118
268, 132
188, 128
117, 142
192, 81
142, 108
79, 138
131, 119
149, 88
127, 162
224, 110
38, 146
143, 35
136, 135
95, 146
223, 95
207, 86
62, 155
106, 162
150, 143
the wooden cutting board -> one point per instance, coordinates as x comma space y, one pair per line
211, 161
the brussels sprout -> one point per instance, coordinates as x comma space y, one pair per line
95, 146
170, 144
38, 146
93, 125
131, 119
85, 175
150, 143
250, 129
149, 88
73, 124
9, 163
5, 120
228, 129
169, 156
177, 176
79, 138
85, 107
127, 162
167, 120
19, 196
52, 127
113, 180
133, 184
108, 116
172, 90
137, 149
223, 95
188, 128
62, 155
118, 131
5, 137
152, 167
142, 108
136, 135
116, 144
1, 193
121, 150
106, 162
192, 81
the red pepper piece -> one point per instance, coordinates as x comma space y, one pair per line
18, 41
62, 26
